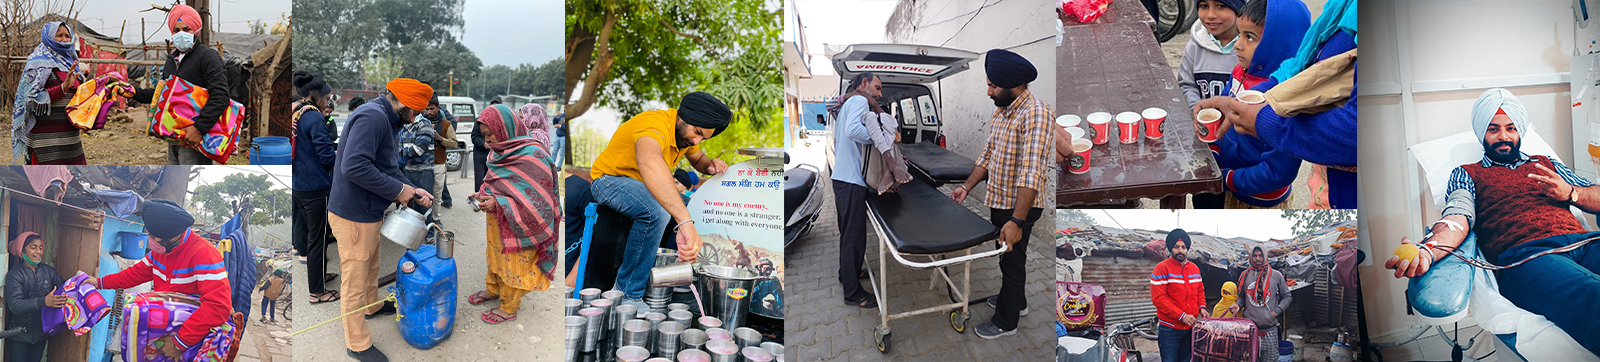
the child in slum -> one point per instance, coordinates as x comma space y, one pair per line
1310, 108
180, 261
1256, 174
1208, 62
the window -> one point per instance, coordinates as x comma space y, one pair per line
928, 111
463, 110
908, 112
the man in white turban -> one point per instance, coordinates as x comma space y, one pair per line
1517, 205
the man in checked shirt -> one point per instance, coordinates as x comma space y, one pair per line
1014, 161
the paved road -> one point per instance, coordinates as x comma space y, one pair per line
821, 327
266, 342
534, 336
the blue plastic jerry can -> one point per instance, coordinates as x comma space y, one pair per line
425, 294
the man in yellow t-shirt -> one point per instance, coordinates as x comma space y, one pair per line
633, 176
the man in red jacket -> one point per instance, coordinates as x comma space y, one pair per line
1179, 296
180, 261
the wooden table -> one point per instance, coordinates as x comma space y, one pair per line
1114, 65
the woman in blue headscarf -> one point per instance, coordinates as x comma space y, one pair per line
40, 131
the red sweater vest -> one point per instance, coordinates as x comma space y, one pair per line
1511, 210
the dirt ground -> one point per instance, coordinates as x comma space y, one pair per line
124, 142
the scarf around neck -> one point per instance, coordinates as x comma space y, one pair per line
31, 99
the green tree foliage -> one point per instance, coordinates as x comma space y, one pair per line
630, 53
1307, 221
218, 199
334, 38
526, 79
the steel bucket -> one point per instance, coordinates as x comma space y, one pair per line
726, 292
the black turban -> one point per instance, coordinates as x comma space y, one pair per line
165, 219
1008, 70
701, 109
1177, 235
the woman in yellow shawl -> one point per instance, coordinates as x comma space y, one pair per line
1230, 295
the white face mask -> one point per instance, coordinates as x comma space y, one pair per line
183, 40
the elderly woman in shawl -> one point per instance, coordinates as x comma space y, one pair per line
519, 191
41, 133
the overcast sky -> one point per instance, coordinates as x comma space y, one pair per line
216, 173
106, 16
1254, 224
513, 32
841, 22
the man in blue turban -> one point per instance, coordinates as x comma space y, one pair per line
1014, 162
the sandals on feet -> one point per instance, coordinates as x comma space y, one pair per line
493, 317
328, 296
480, 297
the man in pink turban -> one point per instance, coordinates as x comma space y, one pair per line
202, 66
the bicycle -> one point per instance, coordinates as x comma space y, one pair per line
1114, 346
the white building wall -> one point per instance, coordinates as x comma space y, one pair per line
1024, 27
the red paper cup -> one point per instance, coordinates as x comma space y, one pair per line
1099, 129
1128, 127
1078, 164
1251, 97
1154, 118
1208, 124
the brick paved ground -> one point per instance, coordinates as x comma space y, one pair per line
820, 327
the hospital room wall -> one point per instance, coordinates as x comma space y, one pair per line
1455, 52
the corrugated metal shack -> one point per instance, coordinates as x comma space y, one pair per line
1119, 262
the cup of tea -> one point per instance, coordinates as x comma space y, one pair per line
1078, 163
1208, 124
1153, 119
1128, 127
1099, 127
1251, 97
1075, 132
1069, 121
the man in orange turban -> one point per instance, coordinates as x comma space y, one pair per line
366, 179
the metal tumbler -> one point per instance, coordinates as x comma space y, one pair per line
722, 351
719, 333
709, 322
595, 320
587, 295
632, 354
681, 316
655, 319
635, 333
773, 347
746, 337
615, 296
667, 339
573, 305
622, 314
693, 355
607, 325
692, 339
574, 338
756, 354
